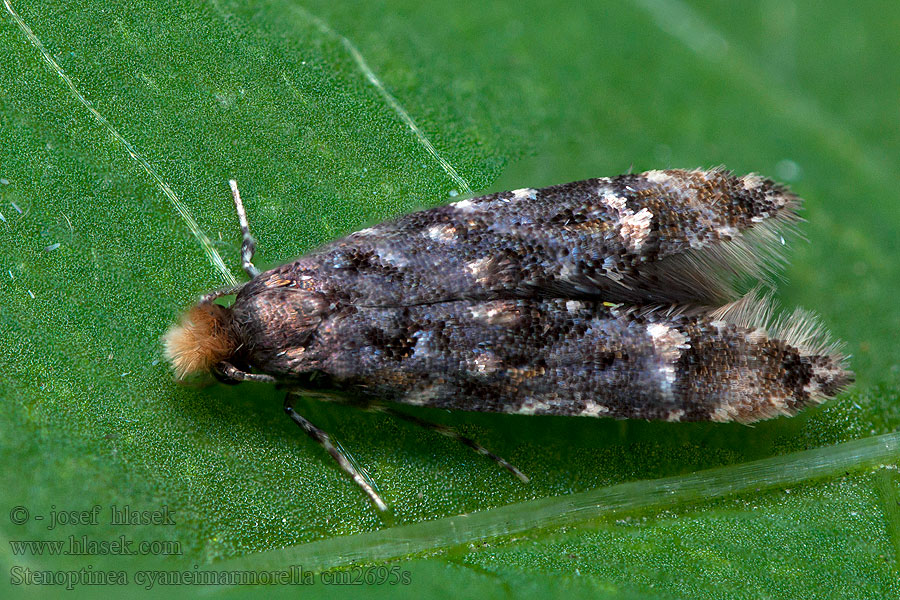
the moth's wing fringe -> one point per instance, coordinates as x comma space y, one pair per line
714, 273
800, 329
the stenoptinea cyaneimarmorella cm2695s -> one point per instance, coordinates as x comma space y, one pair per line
612, 297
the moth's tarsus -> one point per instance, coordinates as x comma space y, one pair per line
232, 373
248, 244
325, 441
210, 297
453, 434
332, 448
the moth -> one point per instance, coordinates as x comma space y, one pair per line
611, 297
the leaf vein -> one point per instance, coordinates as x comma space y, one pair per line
388, 97
182, 209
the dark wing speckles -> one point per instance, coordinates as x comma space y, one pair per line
606, 297
591, 298
657, 237
570, 358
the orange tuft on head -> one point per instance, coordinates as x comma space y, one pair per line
202, 338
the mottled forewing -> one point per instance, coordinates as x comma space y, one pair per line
563, 358
660, 236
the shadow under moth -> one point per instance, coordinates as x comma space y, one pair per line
612, 297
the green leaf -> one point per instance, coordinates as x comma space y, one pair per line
120, 124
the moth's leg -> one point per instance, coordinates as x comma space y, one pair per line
232, 373
248, 245
218, 294
325, 441
451, 433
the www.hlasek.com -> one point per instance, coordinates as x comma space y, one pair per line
148, 579
85, 546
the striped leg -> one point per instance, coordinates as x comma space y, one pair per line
248, 245
232, 373
325, 441
218, 294
447, 431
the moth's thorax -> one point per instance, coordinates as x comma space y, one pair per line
275, 323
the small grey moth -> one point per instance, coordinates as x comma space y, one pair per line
612, 297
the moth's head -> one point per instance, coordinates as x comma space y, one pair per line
267, 330
204, 337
